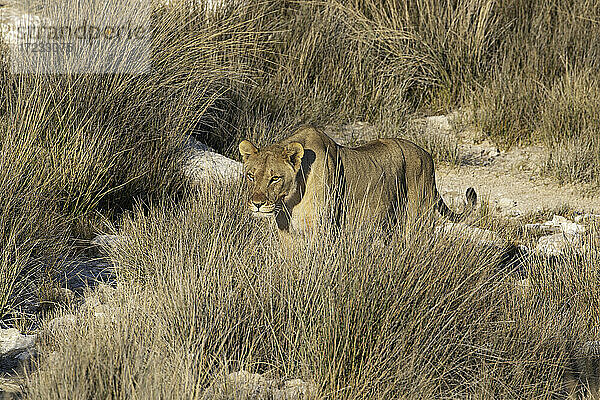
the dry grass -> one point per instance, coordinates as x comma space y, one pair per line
203, 289
74, 145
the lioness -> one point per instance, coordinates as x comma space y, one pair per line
293, 179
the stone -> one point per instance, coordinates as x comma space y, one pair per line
295, 389
246, 385
108, 241
541, 228
13, 343
558, 224
557, 244
566, 226
479, 236
62, 324
506, 203
202, 164
240, 385
562, 236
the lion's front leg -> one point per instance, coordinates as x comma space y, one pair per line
286, 239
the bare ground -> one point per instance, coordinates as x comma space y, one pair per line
512, 181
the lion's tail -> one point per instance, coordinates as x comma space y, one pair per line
453, 216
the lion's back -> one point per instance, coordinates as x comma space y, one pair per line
368, 180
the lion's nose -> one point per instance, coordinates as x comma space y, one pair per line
258, 204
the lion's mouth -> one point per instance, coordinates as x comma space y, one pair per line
265, 210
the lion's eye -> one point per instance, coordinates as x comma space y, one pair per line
275, 179
250, 177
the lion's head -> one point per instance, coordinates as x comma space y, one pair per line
271, 174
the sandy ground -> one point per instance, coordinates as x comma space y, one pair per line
512, 182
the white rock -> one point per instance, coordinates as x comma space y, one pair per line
12, 343
541, 228
506, 203
557, 244
476, 235
296, 389
201, 164
240, 385
108, 241
565, 225
245, 385
567, 236
62, 324
558, 224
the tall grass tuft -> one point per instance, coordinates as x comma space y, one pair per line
75, 144
205, 290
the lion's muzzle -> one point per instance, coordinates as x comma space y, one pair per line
261, 208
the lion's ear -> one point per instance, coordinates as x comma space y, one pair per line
295, 152
247, 149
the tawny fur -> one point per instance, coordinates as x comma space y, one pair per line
297, 179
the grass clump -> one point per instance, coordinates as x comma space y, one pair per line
77, 145
205, 290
